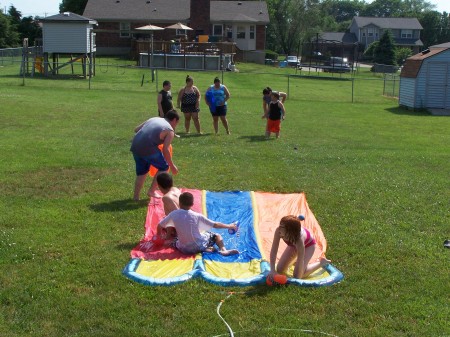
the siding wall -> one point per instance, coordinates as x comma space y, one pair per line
407, 92
67, 37
431, 87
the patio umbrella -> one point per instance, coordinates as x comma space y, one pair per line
151, 29
178, 25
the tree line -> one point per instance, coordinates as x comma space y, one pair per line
291, 21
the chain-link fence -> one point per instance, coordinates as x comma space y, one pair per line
359, 86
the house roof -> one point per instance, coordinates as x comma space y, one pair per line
175, 11
239, 11
139, 10
388, 23
68, 17
412, 65
346, 38
408, 42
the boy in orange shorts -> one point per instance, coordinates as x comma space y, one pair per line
274, 114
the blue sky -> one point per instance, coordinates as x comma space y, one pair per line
51, 7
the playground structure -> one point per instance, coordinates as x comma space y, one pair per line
35, 61
67, 38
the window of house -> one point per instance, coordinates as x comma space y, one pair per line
252, 32
125, 28
229, 30
217, 30
406, 33
181, 32
240, 32
369, 32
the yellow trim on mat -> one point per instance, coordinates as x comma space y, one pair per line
204, 203
256, 224
233, 270
164, 268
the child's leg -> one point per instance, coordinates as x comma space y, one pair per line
287, 258
312, 267
277, 134
222, 249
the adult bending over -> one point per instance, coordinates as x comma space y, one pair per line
149, 135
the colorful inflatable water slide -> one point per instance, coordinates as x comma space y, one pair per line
258, 214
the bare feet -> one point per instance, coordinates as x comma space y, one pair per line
228, 252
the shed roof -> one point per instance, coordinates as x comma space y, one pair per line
412, 65
68, 17
388, 23
239, 11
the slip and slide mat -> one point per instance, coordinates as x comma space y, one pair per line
258, 214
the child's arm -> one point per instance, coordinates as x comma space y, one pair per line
283, 96
274, 250
222, 225
160, 109
180, 95
283, 110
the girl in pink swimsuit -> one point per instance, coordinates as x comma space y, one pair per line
300, 249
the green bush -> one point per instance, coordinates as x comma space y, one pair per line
271, 55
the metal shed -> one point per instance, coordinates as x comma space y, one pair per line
68, 34
425, 79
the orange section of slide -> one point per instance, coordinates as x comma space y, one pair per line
272, 207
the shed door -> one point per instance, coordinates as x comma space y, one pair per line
438, 85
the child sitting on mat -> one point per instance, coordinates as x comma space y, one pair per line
300, 249
189, 226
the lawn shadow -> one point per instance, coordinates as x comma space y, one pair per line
119, 205
255, 138
409, 112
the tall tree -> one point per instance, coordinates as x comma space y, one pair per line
431, 23
8, 33
384, 52
74, 6
342, 10
290, 22
384, 9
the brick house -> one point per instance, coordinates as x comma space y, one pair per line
241, 22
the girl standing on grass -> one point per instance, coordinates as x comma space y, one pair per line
189, 97
300, 249
274, 114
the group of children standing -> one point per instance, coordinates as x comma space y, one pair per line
216, 98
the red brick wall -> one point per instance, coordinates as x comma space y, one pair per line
200, 16
260, 37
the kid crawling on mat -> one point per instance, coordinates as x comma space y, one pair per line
300, 249
189, 226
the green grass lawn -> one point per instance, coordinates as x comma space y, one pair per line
375, 175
